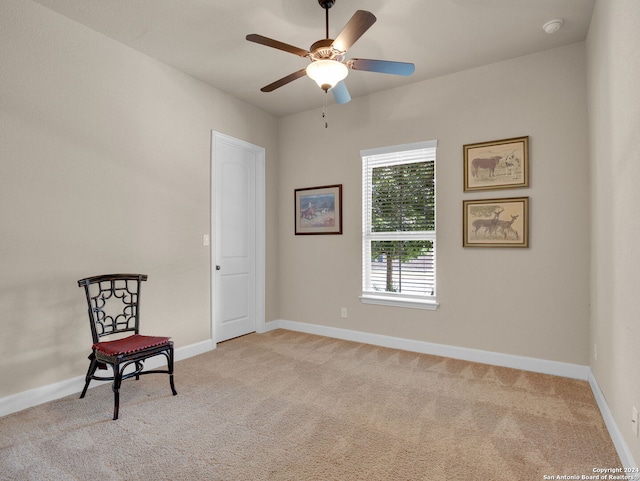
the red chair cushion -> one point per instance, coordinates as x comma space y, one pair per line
129, 345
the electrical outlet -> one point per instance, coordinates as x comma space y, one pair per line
205, 239
634, 420
343, 312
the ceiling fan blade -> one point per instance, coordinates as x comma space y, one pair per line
284, 80
353, 30
269, 42
341, 93
382, 66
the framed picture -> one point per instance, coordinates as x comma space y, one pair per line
501, 164
495, 222
318, 210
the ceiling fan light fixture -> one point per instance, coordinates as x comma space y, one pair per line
327, 73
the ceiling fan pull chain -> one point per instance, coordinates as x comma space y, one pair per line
324, 110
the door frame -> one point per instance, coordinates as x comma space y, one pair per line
260, 213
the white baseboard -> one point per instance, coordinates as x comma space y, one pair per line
51, 392
616, 436
573, 371
194, 349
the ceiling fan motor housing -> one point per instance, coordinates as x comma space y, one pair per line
324, 50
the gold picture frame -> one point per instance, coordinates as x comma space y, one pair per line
495, 222
318, 210
499, 164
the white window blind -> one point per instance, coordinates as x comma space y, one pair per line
399, 231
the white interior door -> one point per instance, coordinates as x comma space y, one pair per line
238, 250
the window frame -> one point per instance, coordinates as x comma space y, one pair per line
379, 157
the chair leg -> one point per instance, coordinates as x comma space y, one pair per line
170, 368
117, 381
90, 372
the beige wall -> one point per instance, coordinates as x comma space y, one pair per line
614, 128
528, 302
104, 167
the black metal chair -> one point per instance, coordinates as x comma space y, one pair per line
114, 309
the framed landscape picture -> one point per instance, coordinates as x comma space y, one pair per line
495, 222
318, 210
499, 164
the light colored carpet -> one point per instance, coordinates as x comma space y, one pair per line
292, 406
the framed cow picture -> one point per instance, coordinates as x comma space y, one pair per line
499, 164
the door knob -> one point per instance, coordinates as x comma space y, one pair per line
218, 268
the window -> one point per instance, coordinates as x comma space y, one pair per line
399, 225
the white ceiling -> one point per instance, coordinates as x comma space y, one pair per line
206, 38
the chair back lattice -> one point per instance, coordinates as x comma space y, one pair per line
114, 303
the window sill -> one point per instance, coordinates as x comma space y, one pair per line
429, 304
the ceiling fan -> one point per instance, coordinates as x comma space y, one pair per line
328, 66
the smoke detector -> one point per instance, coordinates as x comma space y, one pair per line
552, 26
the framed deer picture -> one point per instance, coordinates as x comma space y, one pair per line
500, 164
318, 210
495, 222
